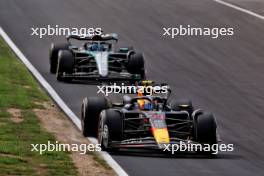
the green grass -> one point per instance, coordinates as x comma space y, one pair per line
18, 89
99, 160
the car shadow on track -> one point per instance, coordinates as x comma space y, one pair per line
178, 155
98, 82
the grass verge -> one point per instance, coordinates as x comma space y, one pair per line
20, 127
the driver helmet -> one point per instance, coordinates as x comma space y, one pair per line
143, 104
97, 47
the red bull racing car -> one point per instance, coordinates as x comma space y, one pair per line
146, 122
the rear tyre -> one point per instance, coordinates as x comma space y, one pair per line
136, 65
53, 56
65, 65
109, 128
91, 108
205, 130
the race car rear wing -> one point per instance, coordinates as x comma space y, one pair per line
103, 37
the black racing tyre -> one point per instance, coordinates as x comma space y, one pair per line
205, 130
53, 56
136, 64
91, 108
182, 105
65, 64
110, 128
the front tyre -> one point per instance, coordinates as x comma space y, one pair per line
205, 130
136, 65
65, 65
109, 128
91, 108
53, 56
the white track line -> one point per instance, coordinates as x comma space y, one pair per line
240, 9
116, 167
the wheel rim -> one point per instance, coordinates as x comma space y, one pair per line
83, 113
100, 131
105, 136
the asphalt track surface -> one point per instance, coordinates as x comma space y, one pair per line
224, 75
256, 6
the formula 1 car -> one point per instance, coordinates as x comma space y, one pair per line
95, 59
146, 122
